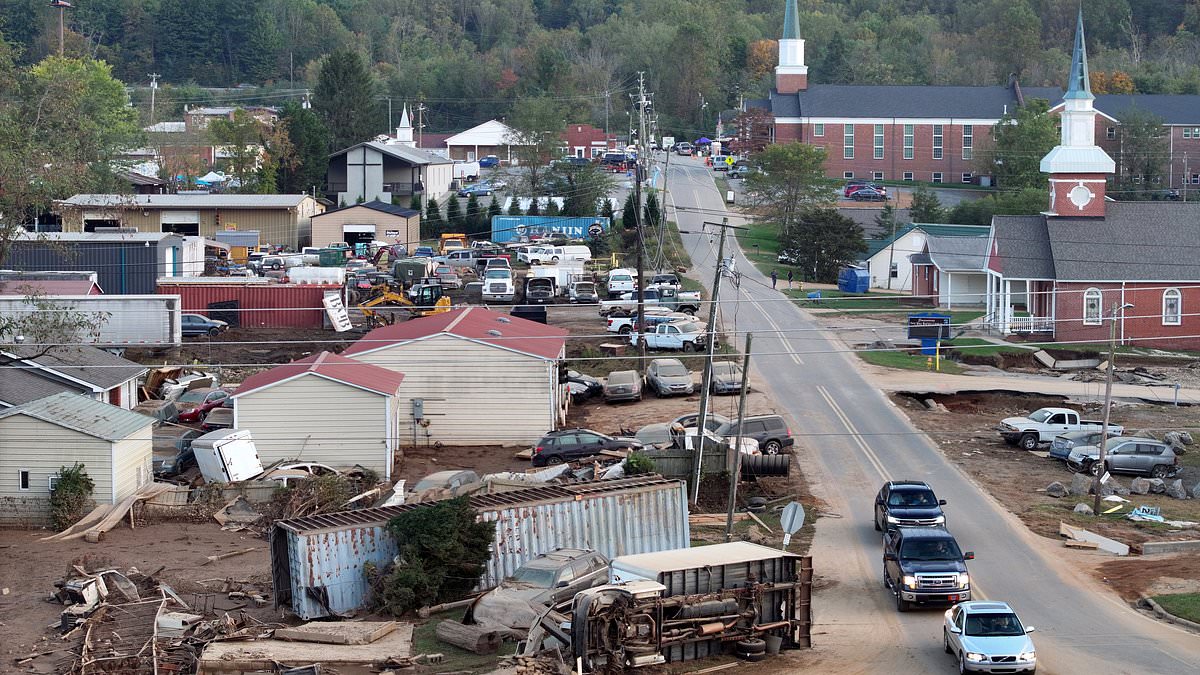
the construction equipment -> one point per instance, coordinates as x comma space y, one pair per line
428, 299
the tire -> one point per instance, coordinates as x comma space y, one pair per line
1094, 468
753, 658
1029, 442
772, 447
624, 330
962, 663
902, 605
689, 347
554, 260
658, 393
752, 646
554, 460
214, 332
1160, 471
875, 522
946, 642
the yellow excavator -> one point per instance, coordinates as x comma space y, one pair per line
429, 300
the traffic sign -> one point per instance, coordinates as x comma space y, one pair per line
729, 160
791, 520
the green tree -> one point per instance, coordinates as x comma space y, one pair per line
886, 222
552, 207
1142, 157
514, 207
1020, 141
629, 213
415, 203
1011, 36
835, 66
454, 215
431, 225
825, 241
1024, 202
926, 207
345, 99
791, 179
651, 214
243, 138
248, 39
493, 210
606, 211
535, 207
70, 497
310, 143
537, 125
586, 185
473, 221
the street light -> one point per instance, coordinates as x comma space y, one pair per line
1098, 467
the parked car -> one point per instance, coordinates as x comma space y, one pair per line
771, 432
451, 479
907, 503
194, 404
1043, 424
987, 637
668, 377
489, 162
549, 580
868, 194
498, 285
684, 149
856, 185
583, 292
218, 418
665, 279
198, 324
688, 336
620, 281
726, 378
655, 315
583, 386
182, 459
565, 445
623, 385
1061, 446
423, 252
447, 277
713, 423
497, 263
1127, 454
478, 189
925, 566
287, 472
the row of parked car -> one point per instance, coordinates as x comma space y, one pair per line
923, 565
1076, 441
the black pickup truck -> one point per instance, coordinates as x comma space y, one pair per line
925, 566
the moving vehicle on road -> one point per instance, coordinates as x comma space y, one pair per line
1127, 454
668, 377
925, 566
987, 637
1043, 424
198, 324
566, 445
907, 503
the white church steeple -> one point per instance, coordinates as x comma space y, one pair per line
791, 75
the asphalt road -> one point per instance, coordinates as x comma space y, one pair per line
853, 439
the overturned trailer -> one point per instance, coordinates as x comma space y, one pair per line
686, 604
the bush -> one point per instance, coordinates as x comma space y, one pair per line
638, 463
70, 497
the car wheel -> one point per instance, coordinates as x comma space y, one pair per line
946, 642
688, 347
772, 447
214, 331
554, 260
554, 460
875, 522
902, 605
1029, 442
1160, 471
658, 393
1094, 468
624, 330
962, 663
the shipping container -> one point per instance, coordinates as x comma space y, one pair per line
124, 320
253, 305
317, 562
125, 263
512, 228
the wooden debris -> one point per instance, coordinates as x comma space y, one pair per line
337, 633
481, 639
223, 556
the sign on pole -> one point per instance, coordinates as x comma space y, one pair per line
791, 519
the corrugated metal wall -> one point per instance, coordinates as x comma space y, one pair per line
259, 306
329, 562
122, 268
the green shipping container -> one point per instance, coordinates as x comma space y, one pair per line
332, 257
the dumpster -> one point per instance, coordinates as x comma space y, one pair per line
331, 257
854, 280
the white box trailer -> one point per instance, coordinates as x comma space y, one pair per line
466, 170
124, 320
227, 456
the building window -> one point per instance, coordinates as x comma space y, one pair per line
53, 482
1110, 133
1172, 314
908, 175
1196, 179
24, 479
937, 176
968, 142
1091, 307
819, 129
1195, 132
848, 141
878, 141
878, 175
967, 177
847, 175
1187, 132
895, 270
937, 141
908, 141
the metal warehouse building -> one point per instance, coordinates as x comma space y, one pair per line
125, 263
317, 562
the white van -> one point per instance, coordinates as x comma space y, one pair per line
554, 254
620, 281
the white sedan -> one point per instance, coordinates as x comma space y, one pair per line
987, 637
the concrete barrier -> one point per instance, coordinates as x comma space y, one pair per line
1161, 547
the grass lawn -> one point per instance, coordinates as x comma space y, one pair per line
983, 347
834, 299
1182, 605
906, 361
457, 660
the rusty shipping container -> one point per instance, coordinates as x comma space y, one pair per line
254, 305
317, 562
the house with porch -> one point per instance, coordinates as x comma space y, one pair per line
951, 271
887, 259
1087, 261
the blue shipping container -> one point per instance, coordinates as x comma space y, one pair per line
512, 228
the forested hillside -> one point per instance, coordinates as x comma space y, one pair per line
469, 59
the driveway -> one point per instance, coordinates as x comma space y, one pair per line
852, 440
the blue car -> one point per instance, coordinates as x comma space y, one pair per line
478, 189
489, 162
423, 252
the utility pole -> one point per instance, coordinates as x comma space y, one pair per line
711, 333
389, 126
153, 90
62, 6
420, 123
1108, 382
735, 474
639, 172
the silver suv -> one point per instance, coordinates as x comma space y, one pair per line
1127, 454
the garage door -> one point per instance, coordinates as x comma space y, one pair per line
349, 227
186, 223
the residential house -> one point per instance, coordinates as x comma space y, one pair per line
585, 140
951, 271
282, 219
124, 262
197, 119
472, 376
887, 258
367, 222
38, 438
31, 372
323, 408
490, 138
1088, 265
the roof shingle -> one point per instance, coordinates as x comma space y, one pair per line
473, 323
80, 362
83, 414
329, 366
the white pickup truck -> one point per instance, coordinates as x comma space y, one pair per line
1043, 424
688, 336
660, 296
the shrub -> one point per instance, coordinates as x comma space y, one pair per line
638, 463
70, 497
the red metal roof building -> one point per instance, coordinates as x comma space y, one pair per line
331, 367
472, 323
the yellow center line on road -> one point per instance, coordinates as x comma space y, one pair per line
854, 433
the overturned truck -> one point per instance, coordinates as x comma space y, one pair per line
685, 604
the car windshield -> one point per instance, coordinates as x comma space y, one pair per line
535, 576
912, 498
993, 625
726, 370
622, 277
931, 549
194, 396
497, 274
672, 370
1040, 415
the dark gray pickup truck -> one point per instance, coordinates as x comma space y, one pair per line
925, 566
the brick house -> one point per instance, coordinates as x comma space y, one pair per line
585, 140
1065, 272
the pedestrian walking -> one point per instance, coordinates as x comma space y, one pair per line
791, 276
774, 278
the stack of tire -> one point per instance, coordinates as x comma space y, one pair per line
751, 649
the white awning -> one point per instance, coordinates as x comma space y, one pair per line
349, 227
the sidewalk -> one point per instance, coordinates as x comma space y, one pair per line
888, 379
